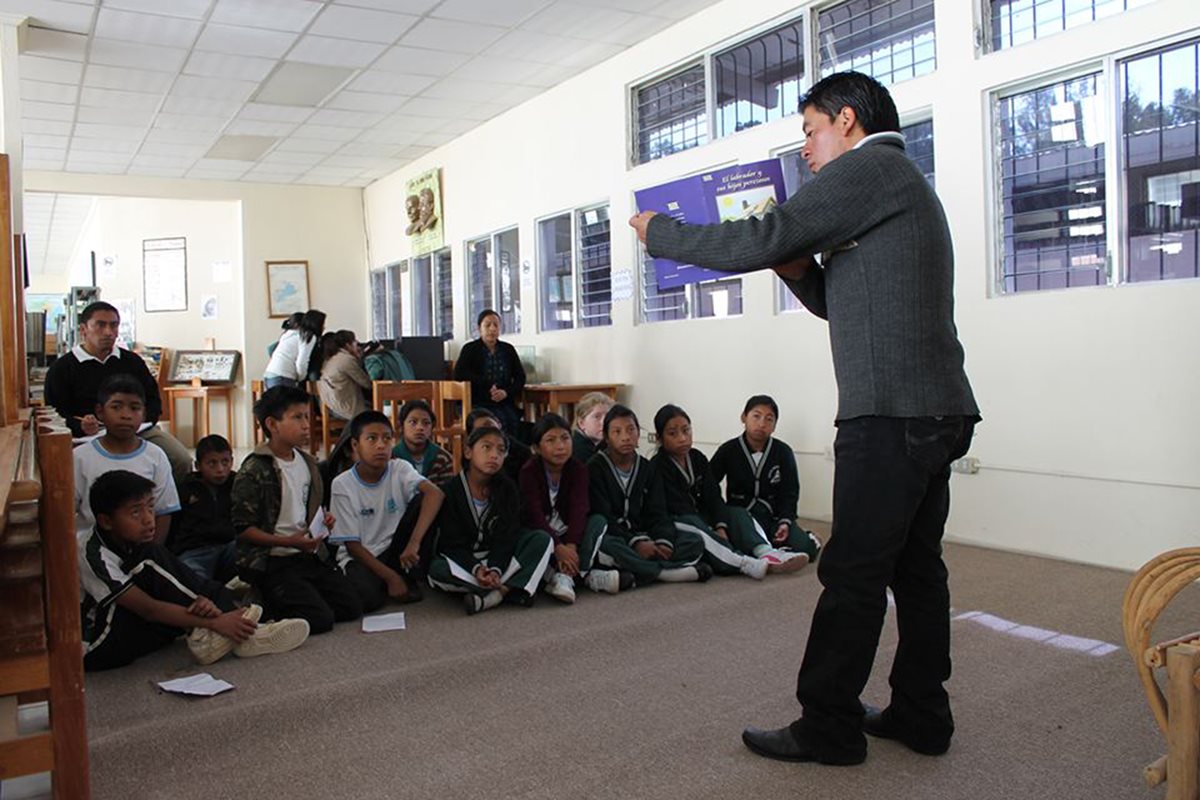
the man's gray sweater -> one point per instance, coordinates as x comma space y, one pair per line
885, 283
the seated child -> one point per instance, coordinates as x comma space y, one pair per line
760, 476
382, 539
276, 493
417, 421
482, 550
617, 484
202, 532
137, 597
121, 408
589, 424
682, 493
518, 453
554, 499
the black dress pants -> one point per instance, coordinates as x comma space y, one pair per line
306, 587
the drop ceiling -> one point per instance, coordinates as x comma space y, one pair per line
332, 92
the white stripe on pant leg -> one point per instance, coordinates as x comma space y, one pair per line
535, 579
154, 565
585, 564
455, 588
713, 546
758, 529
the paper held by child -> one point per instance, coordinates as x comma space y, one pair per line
383, 622
317, 529
200, 685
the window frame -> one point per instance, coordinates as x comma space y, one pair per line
985, 29
435, 296
494, 300
573, 215
815, 38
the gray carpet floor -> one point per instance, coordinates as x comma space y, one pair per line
642, 695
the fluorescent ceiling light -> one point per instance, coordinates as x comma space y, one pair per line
241, 148
295, 83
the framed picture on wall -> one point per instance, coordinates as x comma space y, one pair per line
287, 287
164, 274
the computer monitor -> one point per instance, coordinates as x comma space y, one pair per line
427, 354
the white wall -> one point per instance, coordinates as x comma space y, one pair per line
321, 225
1089, 395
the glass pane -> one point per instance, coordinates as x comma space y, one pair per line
379, 304
444, 297
554, 267
721, 298
422, 283
890, 40
670, 114
1018, 21
1161, 148
659, 305
759, 80
395, 316
918, 144
508, 280
595, 268
1052, 186
479, 278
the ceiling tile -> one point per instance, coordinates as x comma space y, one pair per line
430, 107
295, 83
188, 152
78, 153
286, 159
43, 92
454, 88
366, 101
499, 70
578, 20
390, 83
459, 126
29, 153
362, 24
415, 61
73, 17
413, 151
354, 162
299, 144
358, 182
330, 132
133, 80
110, 98
174, 136
55, 126
393, 136
434, 139
675, 9
334, 52
223, 165
457, 37
50, 165
213, 88
114, 116
508, 13
346, 119
227, 65
241, 147
244, 41
188, 122
272, 113
112, 148
258, 127
533, 46
127, 26
403, 121
283, 15
50, 69
149, 171
54, 44
322, 179
139, 56
361, 148
339, 172
589, 54
188, 9
44, 140
178, 104
33, 110
399, 6
114, 133
146, 160
89, 168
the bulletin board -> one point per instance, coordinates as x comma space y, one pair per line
210, 366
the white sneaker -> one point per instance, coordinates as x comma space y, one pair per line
208, 646
562, 588
785, 561
274, 637
604, 580
754, 567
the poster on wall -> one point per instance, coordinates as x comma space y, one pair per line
208, 306
287, 287
127, 312
423, 207
52, 305
164, 274
733, 193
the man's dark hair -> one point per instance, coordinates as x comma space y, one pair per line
275, 402
92, 308
547, 423
121, 383
368, 417
478, 414
416, 405
487, 312
762, 400
872, 104
620, 412
214, 443
115, 488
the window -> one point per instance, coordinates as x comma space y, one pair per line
713, 298
574, 249
379, 304
433, 302
1051, 184
395, 273
670, 114
890, 40
759, 80
1160, 99
1015, 22
495, 283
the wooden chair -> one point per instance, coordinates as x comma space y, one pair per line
453, 403
256, 391
452, 440
331, 430
393, 394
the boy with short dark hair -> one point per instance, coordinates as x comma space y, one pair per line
276, 493
202, 532
384, 509
120, 408
137, 597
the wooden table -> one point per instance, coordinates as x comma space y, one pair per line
541, 398
200, 395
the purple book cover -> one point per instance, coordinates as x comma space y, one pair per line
732, 193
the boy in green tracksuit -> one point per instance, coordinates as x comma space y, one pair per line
617, 487
760, 476
482, 551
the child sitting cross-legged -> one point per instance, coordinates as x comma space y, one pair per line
384, 509
417, 421
137, 597
482, 550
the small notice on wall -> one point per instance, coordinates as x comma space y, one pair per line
164, 272
208, 306
222, 272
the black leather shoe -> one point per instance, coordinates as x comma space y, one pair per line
879, 724
782, 744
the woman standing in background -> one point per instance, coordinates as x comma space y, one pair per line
494, 370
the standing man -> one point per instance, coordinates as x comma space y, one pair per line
73, 379
905, 412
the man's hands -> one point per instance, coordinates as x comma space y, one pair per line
639, 222
567, 557
794, 270
233, 625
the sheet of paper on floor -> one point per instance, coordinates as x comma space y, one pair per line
201, 685
383, 622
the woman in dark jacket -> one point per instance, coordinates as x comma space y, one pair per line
494, 370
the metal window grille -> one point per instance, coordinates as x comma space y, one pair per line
1160, 141
720, 298
670, 114
1051, 186
422, 293
594, 267
508, 279
759, 80
395, 313
554, 256
1015, 22
379, 304
890, 40
444, 294
918, 145
479, 276
660, 305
